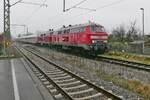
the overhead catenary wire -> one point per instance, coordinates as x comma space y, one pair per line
16, 3
38, 4
86, 8
97, 9
35, 11
31, 3
111, 4
76, 5
78, 15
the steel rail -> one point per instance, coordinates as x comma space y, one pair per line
96, 87
46, 76
136, 65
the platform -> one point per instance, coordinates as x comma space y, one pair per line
17, 82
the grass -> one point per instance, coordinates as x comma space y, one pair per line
10, 53
132, 85
128, 57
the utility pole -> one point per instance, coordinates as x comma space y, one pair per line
142, 9
64, 3
25, 27
6, 35
75, 6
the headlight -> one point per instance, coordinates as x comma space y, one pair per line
94, 41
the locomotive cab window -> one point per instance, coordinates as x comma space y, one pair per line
96, 28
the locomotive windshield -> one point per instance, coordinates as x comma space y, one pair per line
96, 28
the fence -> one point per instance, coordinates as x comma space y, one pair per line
130, 48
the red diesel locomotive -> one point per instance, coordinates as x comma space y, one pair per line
90, 38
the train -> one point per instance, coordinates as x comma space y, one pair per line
89, 38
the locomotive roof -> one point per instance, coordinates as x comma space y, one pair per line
79, 25
72, 27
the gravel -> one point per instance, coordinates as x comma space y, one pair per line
86, 68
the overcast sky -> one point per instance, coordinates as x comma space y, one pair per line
109, 13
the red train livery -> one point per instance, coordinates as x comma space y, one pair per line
89, 37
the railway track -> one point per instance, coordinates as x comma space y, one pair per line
139, 66
62, 83
135, 65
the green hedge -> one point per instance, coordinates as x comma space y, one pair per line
118, 46
1, 50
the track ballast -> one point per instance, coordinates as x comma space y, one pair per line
62, 83
135, 65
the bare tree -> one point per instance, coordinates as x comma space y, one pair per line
133, 33
123, 34
118, 33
